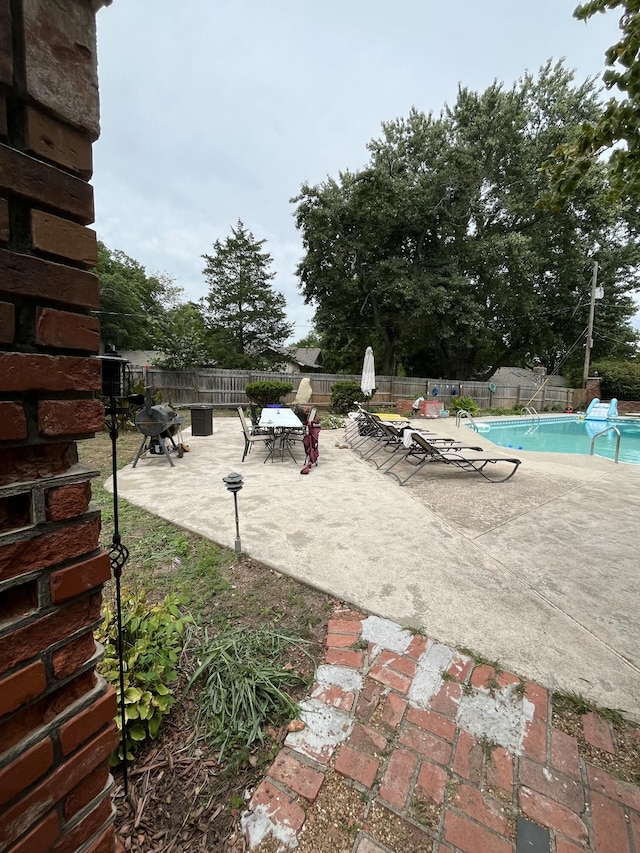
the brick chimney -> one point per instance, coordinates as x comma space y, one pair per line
56, 712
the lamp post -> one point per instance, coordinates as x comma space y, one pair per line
596, 293
234, 484
114, 376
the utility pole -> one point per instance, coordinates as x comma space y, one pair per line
592, 309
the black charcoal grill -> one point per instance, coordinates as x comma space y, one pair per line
160, 426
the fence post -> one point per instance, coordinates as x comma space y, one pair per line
544, 391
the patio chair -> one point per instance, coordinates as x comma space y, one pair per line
294, 436
465, 458
256, 429
250, 438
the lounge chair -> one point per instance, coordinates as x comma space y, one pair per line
386, 438
465, 458
363, 426
392, 438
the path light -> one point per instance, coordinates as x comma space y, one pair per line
234, 483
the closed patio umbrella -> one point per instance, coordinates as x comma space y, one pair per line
368, 381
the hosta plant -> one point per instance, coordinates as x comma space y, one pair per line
151, 643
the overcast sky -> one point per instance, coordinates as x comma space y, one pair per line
218, 110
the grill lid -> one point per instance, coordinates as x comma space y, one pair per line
156, 419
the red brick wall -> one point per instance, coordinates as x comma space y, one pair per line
593, 389
56, 713
624, 406
627, 407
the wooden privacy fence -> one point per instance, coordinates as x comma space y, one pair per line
225, 388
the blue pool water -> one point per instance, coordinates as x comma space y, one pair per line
566, 435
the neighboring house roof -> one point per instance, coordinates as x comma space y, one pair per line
140, 357
522, 376
309, 358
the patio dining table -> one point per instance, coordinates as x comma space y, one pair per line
284, 425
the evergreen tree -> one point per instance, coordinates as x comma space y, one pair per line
245, 315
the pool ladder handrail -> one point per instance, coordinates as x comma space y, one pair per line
531, 411
608, 429
464, 413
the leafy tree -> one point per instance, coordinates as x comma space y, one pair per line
185, 341
619, 379
245, 315
132, 303
619, 122
311, 339
435, 254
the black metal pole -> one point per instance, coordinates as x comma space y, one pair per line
118, 556
237, 542
233, 482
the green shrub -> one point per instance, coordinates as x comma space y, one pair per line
343, 394
267, 392
464, 403
151, 642
620, 379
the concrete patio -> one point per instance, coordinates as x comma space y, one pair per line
539, 573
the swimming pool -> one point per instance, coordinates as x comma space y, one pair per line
566, 435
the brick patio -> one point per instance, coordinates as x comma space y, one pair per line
463, 756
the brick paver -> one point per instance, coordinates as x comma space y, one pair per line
564, 753
356, 765
301, 778
411, 756
431, 782
500, 771
597, 732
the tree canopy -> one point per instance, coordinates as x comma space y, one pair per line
244, 314
434, 253
617, 128
132, 303
185, 342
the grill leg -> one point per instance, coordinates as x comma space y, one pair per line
140, 452
166, 452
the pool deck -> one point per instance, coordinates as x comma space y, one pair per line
539, 573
